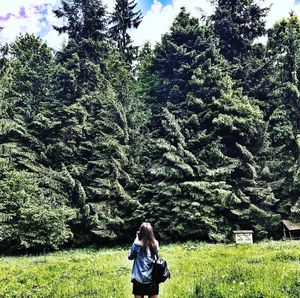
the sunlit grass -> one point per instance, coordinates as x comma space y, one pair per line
268, 269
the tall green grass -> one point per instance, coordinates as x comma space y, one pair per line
269, 269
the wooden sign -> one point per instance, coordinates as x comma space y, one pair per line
243, 236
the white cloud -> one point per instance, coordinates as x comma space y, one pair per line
54, 40
14, 6
19, 16
159, 19
279, 9
52, 37
110, 4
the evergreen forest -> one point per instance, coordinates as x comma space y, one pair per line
198, 134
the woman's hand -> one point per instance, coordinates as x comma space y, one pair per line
137, 240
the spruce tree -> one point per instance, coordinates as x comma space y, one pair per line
237, 25
123, 19
203, 167
96, 111
283, 114
79, 90
85, 19
29, 186
33, 218
26, 83
176, 192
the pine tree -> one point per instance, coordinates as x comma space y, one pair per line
32, 217
238, 24
84, 19
26, 179
203, 167
27, 79
96, 107
114, 168
123, 19
78, 94
283, 115
176, 193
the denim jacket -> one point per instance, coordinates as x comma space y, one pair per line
143, 263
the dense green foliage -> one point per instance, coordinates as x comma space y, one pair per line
199, 135
237, 24
269, 270
123, 19
31, 217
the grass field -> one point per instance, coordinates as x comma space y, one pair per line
268, 269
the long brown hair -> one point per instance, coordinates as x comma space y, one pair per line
146, 236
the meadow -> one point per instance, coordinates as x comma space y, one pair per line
268, 269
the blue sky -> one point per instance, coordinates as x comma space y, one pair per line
148, 3
35, 16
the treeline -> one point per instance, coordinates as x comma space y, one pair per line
199, 135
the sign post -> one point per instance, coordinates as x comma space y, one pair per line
243, 237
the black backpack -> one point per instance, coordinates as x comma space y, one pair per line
160, 270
